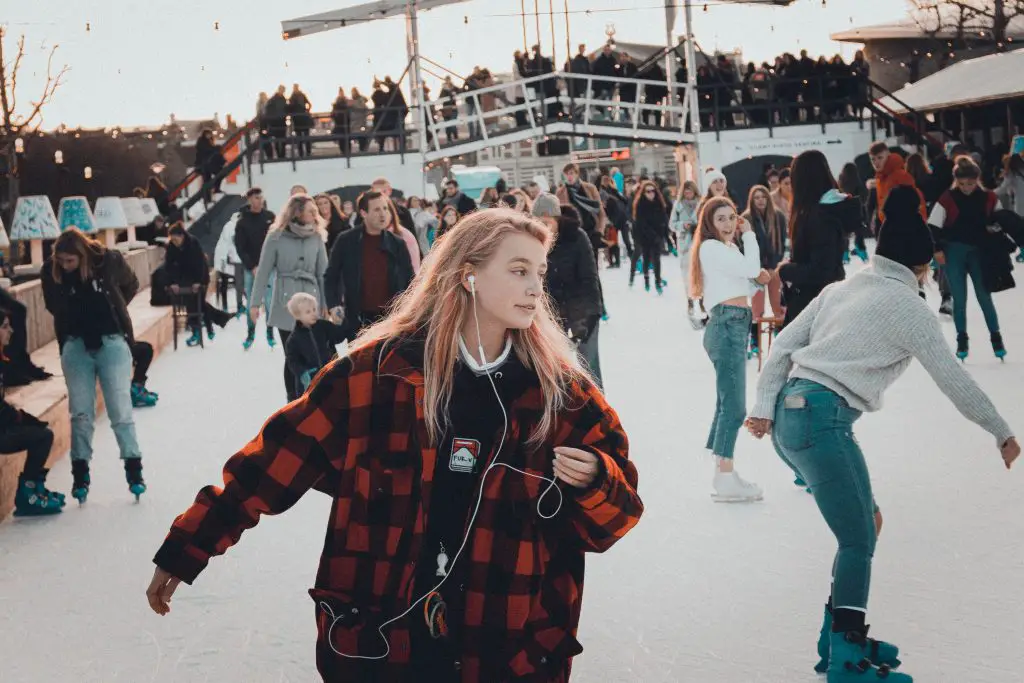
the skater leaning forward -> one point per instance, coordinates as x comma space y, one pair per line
87, 289
472, 463
725, 278
832, 363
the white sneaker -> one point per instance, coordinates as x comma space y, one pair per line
731, 488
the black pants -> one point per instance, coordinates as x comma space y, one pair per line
36, 439
650, 252
289, 379
142, 358
627, 238
304, 147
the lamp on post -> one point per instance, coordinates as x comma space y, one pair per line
110, 219
136, 216
34, 222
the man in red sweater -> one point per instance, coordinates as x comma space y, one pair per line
890, 171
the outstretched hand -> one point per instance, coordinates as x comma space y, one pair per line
1010, 451
160, 590
758, 426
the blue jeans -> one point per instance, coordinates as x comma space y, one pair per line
963, 260
249, 279
813, 434
725, 340
111, 364
589, 353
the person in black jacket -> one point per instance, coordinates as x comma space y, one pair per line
302, 121
276, 115
254, 222
20, 431
463, 203
21, 370
312, 343
821, 220
650, 231
186, 270
572, 280
87, 289
369, 265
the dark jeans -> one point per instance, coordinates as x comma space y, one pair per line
36, 439
651, 255
142, 358
290, 385
813, 434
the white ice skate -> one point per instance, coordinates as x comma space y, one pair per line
698, 319
730, 487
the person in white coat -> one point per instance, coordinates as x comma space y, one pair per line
228, 266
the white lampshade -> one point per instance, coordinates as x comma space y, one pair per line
34, 219
149, 209
133, 211
110, 214
4, 242
75, 212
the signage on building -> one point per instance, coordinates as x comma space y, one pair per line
599, 155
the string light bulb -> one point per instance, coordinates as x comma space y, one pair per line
216, 26
87, 172
88, 27
705, 7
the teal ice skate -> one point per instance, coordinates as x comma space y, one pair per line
878, 651
31, 499
133, 473
82, 480
142, 398
849, 661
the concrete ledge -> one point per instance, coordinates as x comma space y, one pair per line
49, 400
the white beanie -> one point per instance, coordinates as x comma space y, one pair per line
711, 176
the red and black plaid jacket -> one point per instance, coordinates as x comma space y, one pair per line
359, 435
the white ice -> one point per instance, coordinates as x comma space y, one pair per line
699, 592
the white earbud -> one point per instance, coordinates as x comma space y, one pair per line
472, 283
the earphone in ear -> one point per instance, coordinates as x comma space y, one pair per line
472, 283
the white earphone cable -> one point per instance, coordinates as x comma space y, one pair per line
472, 520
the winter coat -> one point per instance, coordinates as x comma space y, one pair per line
426, 226
358, 111
772, 250
344, 276
817, 250
359, 435
572, 282
590, 190
311, 348
650, 223
299, 108
225, 255
892, 174
1012, 188
119, 283
298, 265
250, 232
463, 203
186, 265
276, 111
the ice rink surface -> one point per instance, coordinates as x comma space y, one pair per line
698, 593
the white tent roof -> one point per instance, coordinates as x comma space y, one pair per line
349, 16
910, 29
974, 81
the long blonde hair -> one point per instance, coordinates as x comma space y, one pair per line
705, 231
293, 208
75, 242
438, 302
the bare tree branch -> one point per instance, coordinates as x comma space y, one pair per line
13, 124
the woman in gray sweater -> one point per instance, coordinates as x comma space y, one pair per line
832, 363
295, 256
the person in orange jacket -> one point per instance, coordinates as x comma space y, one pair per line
890, 171
472, 463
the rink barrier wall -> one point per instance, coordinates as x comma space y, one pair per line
48, 400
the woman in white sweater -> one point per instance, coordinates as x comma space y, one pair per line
832, 363
725, 277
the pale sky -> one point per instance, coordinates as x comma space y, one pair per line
140, 61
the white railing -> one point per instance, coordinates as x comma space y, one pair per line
538, 104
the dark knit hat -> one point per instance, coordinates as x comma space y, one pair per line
904, 236
177, 229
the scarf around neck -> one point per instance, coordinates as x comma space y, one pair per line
302, 229
581, 201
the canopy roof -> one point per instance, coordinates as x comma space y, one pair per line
908, 29
970, 82
349, 16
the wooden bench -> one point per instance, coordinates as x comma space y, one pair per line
48, 400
